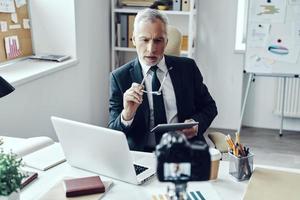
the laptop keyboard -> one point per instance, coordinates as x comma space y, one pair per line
139, 169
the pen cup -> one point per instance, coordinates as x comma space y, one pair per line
241, 168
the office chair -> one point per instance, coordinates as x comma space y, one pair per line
174, 41
219, 140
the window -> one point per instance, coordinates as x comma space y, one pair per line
54, 32
241, 26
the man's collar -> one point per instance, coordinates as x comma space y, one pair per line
161, 66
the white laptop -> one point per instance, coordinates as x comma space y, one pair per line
102, 150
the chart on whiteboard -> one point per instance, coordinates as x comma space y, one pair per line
273, 37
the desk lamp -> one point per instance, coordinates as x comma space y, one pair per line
5, 87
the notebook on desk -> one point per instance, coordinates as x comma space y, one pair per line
45, 158
101, 150
273, 184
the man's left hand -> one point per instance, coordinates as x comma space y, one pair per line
190, 132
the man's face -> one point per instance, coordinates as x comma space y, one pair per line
150, 39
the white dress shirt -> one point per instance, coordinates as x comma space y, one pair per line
167, 91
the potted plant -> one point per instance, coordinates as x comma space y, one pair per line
10, 176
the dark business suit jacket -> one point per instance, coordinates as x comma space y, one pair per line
192, 99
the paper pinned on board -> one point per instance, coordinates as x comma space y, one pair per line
15, 26
268, 11
3, 26
7, 6
12, 47
14, 18
26, 23
258, 34
20, 3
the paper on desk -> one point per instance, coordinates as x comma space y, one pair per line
24, 146
195, 191
58, 192
273, 184
45, 158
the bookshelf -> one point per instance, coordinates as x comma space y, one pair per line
121, 49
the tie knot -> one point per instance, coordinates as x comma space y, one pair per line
154, 68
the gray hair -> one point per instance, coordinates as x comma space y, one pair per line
151, 15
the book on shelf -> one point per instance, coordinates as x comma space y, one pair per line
130, 30
124, 30
40, 153
143, 3
118, 38
185, 5
177, 5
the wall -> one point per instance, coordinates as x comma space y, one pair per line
221, 67
79, 92
260, 105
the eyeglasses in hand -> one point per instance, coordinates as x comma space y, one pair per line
158, 92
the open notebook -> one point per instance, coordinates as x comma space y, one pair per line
40, 153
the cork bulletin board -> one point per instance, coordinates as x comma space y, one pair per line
18, 29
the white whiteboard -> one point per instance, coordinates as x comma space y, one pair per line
273, 37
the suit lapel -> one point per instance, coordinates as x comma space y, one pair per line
137, 77
177, 81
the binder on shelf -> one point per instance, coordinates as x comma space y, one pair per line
124, 30
185, 5
144, 3
118, 38
177, 5
130, 30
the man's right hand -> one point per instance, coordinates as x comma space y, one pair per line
132, 99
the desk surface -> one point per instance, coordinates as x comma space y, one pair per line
225, 187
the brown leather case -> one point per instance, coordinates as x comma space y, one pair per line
83, 186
